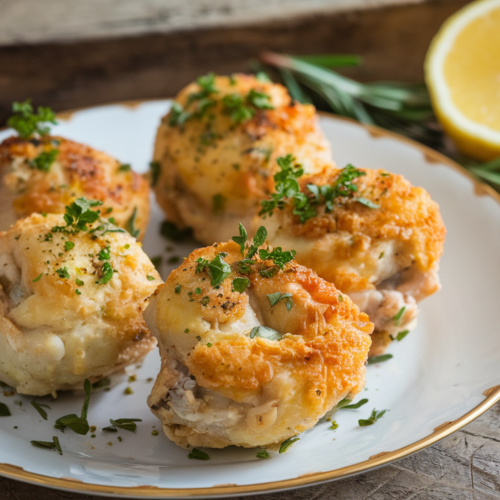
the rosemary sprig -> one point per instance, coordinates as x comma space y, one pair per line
401, 107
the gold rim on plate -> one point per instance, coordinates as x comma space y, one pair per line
492, 395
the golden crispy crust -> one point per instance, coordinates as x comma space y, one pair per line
214, 156
59, 324
78, 170
320, 359
337, 245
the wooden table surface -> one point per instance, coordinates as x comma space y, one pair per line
393, 41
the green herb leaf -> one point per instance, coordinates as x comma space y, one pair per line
68, 245
77, 424
240, 284
379, 359
198, 454
63, 273
26, 123
39, 409
79, 282
106, 273
259, 100
131, 225
401, 335
265, 333
372, 418
44, 160
178, 289
217, 269
150, 278
397, 317
355, 406
218, 203
49, 445
78, 215
37, 278
277, 255
263, 454
125, 167
104, 254
287, 443
242, 238
127, 424
155, 168
334, 425
4, 410
258, 240
274, 298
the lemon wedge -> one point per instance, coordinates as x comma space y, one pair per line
462, 71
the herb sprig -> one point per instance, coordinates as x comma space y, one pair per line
27, 123
78, 424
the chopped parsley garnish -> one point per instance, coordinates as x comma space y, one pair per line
127, 424
150, 278
205, 301
37, 278
217, 269
78, 215
4, 410
131, 225
287, 443
277, 255
39, 409
242, 238
197, 291
125, 167
397, 317
178, 289
304, 206
340, 298
79, 282
379, 359
263, 454
265, 333
258, 240
68, 245
401, 335
240, 284
372, 418
274, 298
198, 454
63, 273
104, 254
354, 406
106, 273
155, 169
27, 123
78, 292
242, 108
334, 425
218, 203
44, 160
49, 445
78, 424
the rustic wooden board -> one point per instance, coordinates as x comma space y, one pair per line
464, 466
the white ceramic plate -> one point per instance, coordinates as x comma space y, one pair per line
442, 375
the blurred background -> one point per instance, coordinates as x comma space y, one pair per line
68, 54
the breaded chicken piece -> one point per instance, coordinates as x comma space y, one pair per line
216, 151
380, 242
43, 175
239, 366
71, 303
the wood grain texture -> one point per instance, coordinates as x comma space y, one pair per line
464, 466
392, 40
33, 21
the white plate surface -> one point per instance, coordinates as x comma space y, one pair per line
438, 372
